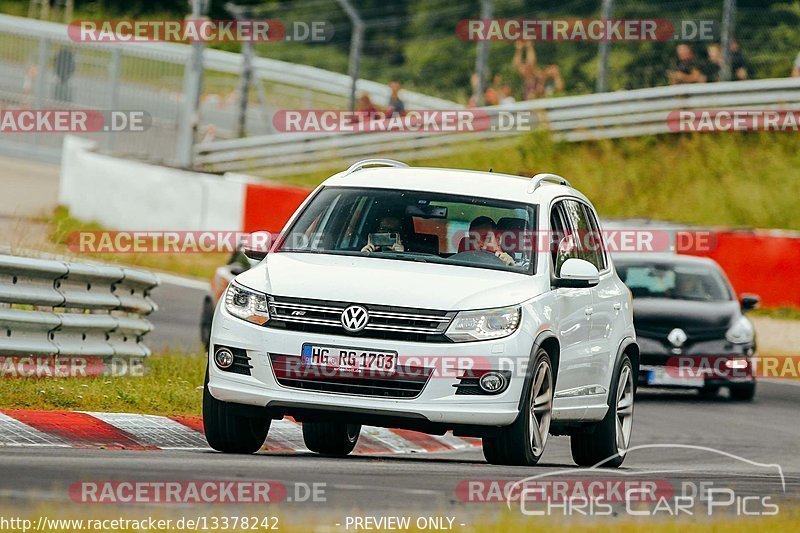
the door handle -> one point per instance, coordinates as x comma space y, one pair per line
617, 306
589, 311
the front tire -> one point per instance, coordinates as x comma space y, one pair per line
331, 438
523, 442
743, 393
607, 441
227, 431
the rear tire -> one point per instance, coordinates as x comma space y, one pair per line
331, 438
608, 440
229, 432
523, 442
743, 393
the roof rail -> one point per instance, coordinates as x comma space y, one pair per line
374, 163
539, 179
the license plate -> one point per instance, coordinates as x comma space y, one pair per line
349, 359
659, 376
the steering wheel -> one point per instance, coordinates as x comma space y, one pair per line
482, 257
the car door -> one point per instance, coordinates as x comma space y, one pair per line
572, 305
607, 297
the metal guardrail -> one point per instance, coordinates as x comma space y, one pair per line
57, 308
573, 118
148, 76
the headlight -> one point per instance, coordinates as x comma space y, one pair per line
246, 304
483, 325
741, 332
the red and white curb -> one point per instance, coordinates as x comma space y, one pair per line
77, 429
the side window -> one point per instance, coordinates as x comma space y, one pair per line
594, 242
560, 232
586, 235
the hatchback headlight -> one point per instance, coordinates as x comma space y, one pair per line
485, 324
741, 332
247, 304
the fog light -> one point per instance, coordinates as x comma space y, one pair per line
492, 382
223, 357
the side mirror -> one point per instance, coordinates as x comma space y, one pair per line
577, 274
749, 301
257, 245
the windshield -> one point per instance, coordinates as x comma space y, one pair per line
675, 281
415, 226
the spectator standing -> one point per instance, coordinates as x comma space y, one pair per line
536, 82
686, 70
796, 67
396, 105
738, 63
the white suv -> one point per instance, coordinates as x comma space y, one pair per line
432, 300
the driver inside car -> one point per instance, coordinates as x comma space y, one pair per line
387, 225
482, 232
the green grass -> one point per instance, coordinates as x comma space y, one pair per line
169, 387
201, 265
706, 179
781, 313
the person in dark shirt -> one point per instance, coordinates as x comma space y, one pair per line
738, 64
686, 70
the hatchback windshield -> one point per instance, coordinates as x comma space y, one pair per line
416, 226
676, 281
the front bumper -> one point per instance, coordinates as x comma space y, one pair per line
437, 403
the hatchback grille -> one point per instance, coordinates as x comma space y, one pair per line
385, 322
406, 383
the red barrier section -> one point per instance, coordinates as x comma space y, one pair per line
764, 263
267, 207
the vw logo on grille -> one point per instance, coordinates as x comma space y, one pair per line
354, 318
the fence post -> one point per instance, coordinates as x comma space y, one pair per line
603, 51
114, 72
482, 57
192, 88
728, 30
356, 40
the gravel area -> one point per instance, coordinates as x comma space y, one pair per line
776, 336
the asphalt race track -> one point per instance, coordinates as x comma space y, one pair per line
677, 436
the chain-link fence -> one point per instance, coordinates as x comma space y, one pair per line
416, 42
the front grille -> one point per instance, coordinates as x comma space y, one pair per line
407, 382
385, 322
692, 334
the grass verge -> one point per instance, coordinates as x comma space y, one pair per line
705, 179
61, 225
169, 387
